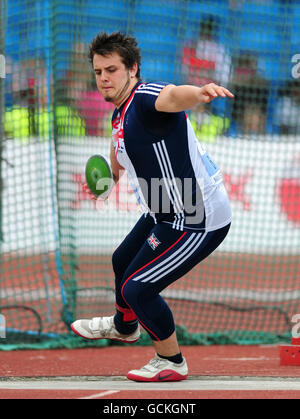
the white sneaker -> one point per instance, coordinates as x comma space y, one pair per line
102, 328
159, 369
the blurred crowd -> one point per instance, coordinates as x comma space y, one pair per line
206, 60
72, 106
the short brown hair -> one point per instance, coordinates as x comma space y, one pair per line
126, 46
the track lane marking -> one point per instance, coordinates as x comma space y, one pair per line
280, 383
99, 395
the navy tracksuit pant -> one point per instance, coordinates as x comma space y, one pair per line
151, 257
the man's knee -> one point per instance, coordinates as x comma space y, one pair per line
131, 293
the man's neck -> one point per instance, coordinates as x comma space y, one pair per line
127, 92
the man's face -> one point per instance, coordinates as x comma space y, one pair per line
112, 77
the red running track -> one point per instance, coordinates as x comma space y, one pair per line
222, 362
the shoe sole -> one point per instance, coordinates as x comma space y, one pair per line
116, 339
162, 376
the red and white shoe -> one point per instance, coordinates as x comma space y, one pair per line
159, 369
102, 328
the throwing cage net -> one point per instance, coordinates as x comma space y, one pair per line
56, 244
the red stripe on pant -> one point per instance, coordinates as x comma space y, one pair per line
128, 314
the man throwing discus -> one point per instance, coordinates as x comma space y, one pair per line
186, 211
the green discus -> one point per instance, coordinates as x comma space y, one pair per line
98, 175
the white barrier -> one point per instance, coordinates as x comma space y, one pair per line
258, 175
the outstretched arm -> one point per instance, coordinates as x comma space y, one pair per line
180, 98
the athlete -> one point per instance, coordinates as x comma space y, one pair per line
186, 212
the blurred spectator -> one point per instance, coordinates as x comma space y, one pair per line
29, 81
31, 112
96, 113
83, 93
207, 60
249, 108
287, 111
207, 125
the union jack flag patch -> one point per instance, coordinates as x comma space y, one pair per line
153, 241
